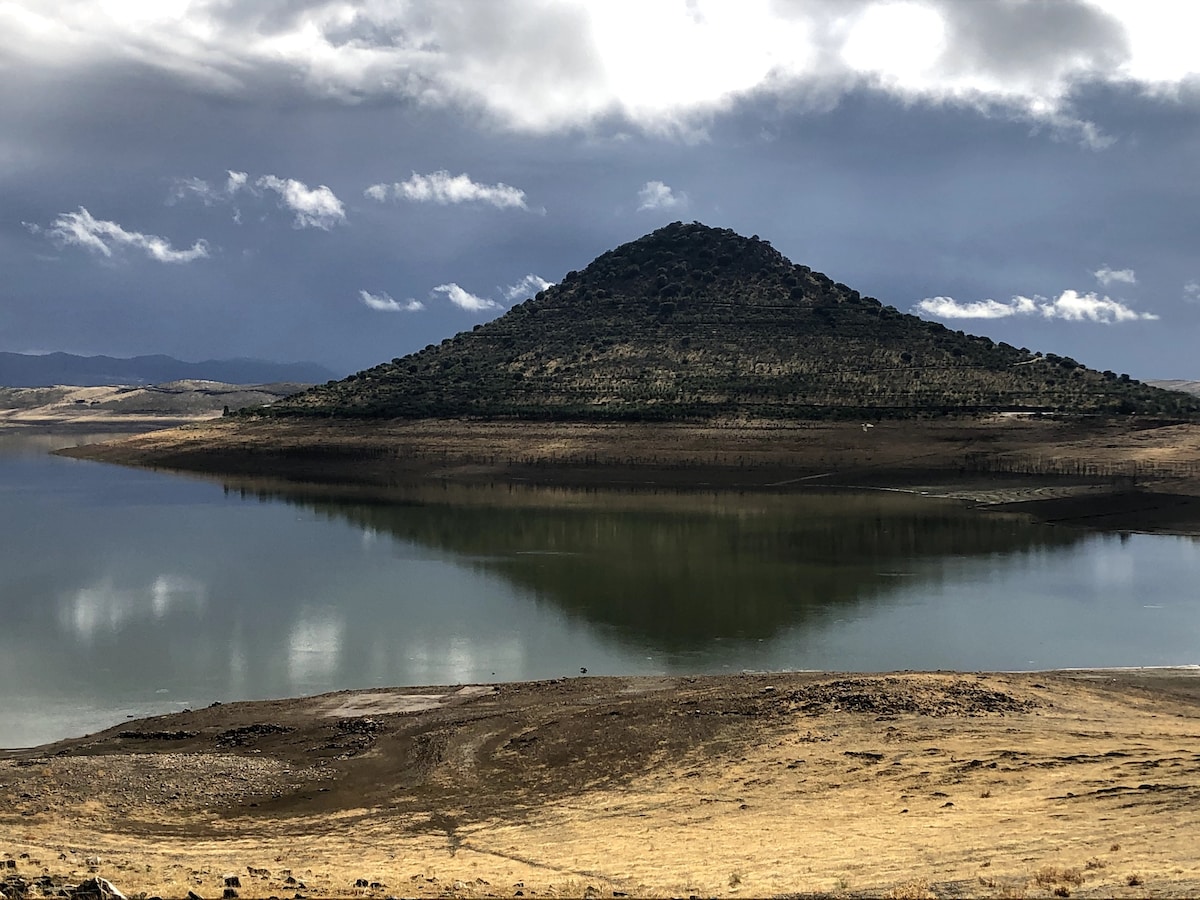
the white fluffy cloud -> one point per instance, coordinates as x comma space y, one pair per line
656, 195
537, 66
102, 236
1070, 306
526, 287
443, 188
464, 299
1107, 276
1076, 307
1191, 292
384, 302
949, 308
314, 207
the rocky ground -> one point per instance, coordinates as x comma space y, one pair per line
907, 785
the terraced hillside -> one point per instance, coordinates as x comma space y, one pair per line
692, 323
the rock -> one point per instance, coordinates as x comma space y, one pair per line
232, 881
361, 883
97, 889
229, 894
192, 895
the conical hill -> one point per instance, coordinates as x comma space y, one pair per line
691, 322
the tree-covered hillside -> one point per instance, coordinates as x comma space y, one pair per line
692, 322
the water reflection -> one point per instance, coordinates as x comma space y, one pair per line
104, 606
680, 570
314, 646
125, 591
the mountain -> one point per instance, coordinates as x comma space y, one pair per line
692, 322
46, 370
1177, 384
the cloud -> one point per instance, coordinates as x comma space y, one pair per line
656, 195
1076, 307
532, 66
384, 302
190, 186
949, 308
526, 287
235, 182
1191, 292
101, 236
465, 299
443, 189
314, 207
1107, 276
1070, 306
195, 187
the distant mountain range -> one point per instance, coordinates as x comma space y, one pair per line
46, 370
693, 323
1177, 384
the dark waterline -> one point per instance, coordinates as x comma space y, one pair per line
126, 592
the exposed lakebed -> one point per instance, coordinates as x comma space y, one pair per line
126, 592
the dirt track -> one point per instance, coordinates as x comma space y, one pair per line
955, 784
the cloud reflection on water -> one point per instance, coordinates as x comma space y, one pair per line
105, 606
314, 647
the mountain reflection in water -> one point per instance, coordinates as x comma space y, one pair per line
127, 591
681, 569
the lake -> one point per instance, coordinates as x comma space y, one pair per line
128, 592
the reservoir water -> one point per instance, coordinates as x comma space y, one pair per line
127, 592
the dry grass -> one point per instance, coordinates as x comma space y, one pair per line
689, 821
1051, 875
915, 889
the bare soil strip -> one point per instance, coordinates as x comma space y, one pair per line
984, 785
1141, 476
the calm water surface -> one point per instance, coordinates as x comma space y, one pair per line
126, 592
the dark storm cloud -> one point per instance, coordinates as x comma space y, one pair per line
1032, 41
529, 144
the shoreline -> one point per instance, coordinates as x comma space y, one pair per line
1179, 670
1112, 476
764, 784
1069, 782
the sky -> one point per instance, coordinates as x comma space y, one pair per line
346, 181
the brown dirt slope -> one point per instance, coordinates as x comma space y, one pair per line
1003, 785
